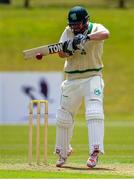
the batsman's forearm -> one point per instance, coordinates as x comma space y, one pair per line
99, 35
62, 54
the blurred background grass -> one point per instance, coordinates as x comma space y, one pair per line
43, 23
61, 3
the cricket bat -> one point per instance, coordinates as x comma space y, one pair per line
44, 50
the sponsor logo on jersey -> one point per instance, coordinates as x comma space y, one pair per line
55, 48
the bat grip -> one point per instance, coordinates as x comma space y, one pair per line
83, 52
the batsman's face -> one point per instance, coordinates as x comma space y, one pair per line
77, 27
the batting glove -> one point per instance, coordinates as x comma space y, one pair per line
79, 40
68, 47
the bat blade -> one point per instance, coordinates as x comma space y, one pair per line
44, 50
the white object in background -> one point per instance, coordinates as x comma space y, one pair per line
17, 89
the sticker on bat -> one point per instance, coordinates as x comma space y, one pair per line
55, 48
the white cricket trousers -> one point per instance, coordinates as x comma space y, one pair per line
91, 89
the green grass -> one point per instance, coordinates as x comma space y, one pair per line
14, 140
38, 174
117, 161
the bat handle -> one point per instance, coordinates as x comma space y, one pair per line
83, 52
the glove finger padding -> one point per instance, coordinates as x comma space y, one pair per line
68, 47
78, 39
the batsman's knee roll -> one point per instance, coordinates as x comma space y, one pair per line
64, 118
94, 110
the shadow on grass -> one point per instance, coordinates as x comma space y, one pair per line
86, 169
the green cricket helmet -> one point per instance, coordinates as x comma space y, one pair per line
78, 19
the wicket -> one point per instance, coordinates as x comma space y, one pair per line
31, 107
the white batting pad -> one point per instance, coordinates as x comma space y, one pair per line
96, 134
94, 109
63, 132
64, 118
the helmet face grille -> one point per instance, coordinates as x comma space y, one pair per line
77, 14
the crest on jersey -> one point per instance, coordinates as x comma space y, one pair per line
97, 92
73, 16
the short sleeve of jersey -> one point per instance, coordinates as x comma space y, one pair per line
100, 27
63, 37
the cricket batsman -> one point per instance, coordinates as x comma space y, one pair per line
82, 47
